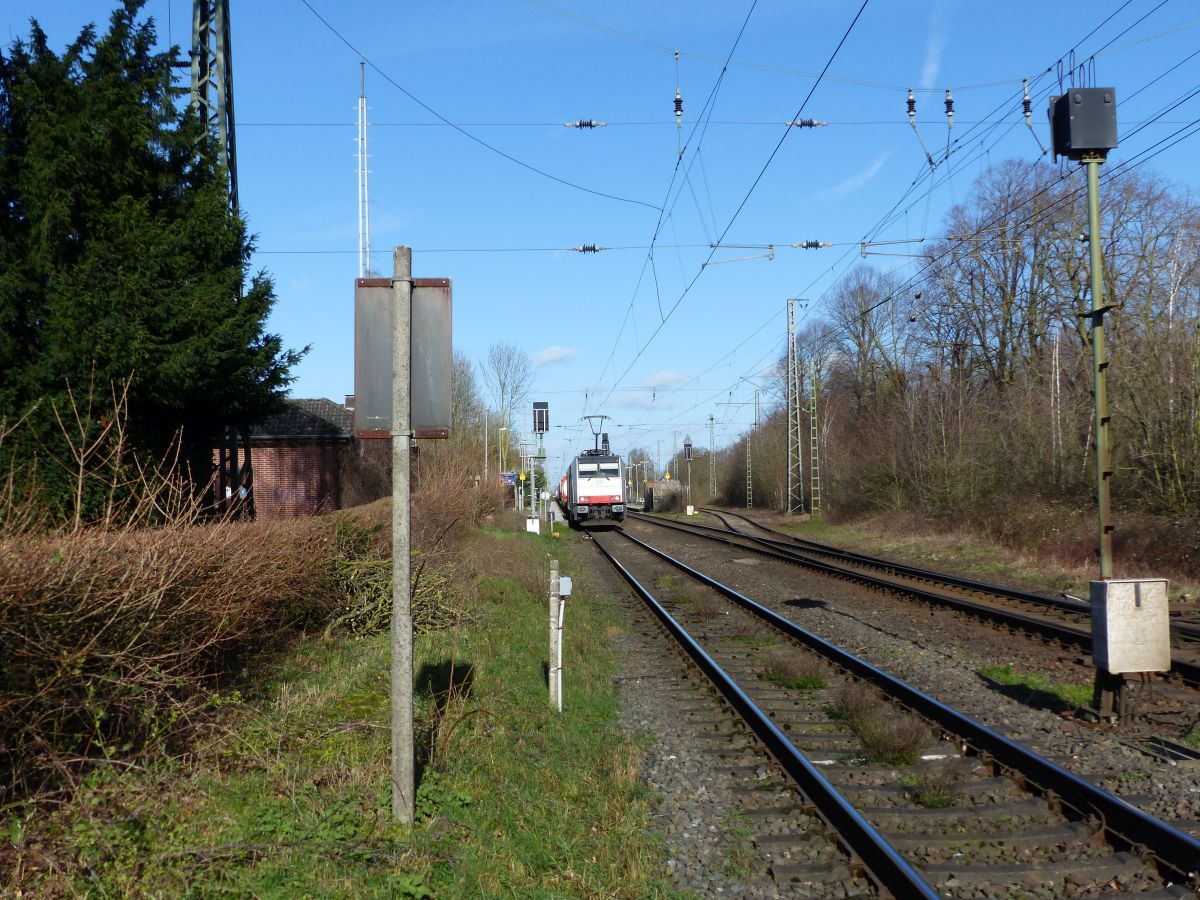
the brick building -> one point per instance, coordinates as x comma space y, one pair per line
299, 457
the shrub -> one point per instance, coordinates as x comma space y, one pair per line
111, 641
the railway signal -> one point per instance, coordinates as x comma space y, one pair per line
1130, 627
687, 455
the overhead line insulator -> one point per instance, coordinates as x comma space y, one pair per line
588, 248
912, 120
812, 245
807, 123
584, 123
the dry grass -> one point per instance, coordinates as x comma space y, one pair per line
708, 607
793, 668
888, 735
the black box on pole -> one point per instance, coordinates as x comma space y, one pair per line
1083, 122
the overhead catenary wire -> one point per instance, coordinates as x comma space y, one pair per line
750, 191
1190, 129
461, 130
665, 211
898, 209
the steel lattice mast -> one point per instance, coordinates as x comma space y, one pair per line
212, 81
795, 472
814, 449
212, 96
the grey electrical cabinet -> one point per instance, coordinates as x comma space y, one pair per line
1131, 629
1083, 122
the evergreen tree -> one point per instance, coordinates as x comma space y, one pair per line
119, 255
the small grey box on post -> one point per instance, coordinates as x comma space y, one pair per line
1083, 122
1130, 626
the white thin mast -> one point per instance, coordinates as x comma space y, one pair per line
364, 216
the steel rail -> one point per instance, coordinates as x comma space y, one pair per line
1069, 635
884, 863
1062, 633
1174, 849
1072, 606
1076, 607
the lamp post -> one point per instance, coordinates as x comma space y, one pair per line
500, 447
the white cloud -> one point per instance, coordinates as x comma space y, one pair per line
854, 182
665, 380
647, 401
548, 356
935, 44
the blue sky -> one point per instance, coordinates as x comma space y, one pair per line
658, 348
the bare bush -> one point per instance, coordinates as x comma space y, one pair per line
894, 739
708, 607
889, 736
793, 668
111, 641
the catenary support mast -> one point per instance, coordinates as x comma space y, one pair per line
212, 96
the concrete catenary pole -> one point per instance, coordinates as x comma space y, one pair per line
403, 776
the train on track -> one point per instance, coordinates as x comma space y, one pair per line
592, 492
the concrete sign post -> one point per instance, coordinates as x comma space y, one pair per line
403, 773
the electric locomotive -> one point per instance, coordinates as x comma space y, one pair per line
593, 489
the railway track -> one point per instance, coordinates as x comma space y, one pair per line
1185, 617
959, 811
1063, 622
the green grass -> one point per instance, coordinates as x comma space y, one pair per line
1039, 685
754, 641
289, 795
795, 682
1192, 739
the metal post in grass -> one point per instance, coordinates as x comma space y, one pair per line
403, 776
551, 653
562, 590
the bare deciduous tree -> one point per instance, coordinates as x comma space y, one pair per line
508, 372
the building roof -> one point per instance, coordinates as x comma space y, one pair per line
318, 418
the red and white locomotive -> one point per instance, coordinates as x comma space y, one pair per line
593, 489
